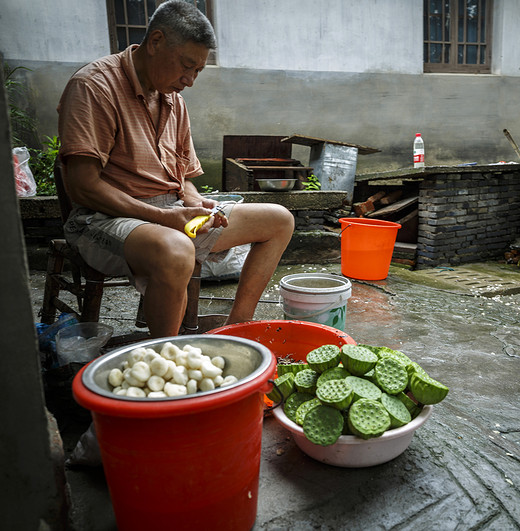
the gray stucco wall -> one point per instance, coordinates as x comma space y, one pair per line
343, 70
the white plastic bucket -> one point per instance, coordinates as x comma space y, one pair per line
316, 297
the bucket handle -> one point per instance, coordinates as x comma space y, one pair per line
268, 409
344, 228
315, 314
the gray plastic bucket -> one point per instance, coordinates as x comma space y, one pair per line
316, 297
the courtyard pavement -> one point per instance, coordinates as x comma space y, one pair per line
462, 468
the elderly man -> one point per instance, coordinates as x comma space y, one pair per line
130, 161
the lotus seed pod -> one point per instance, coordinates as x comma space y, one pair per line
136, 355
323, 425
391, 376
195, 374
192, 387
427, 390
180, 375
219, 362
194, 360
336, 394
141, 371
135, 392
335, 373
304, 408
172, 389
115, 377
131, 380
322, 358
362, 388
282, 388
368, 418
155, 383
357, 360
209, 370
399, 415
293, 402
305, 381
157, 394
159, 366
206, 384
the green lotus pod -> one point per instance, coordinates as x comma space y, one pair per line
322, 358
336, 373
346, 429
368, 418
370, 376
391, 376
414, 367
284, 385
304, 408
283, 368
362, 388
399, 415
357, 360
410, 405
293, 402
385, 352
426, 390
305, 381
323, 425
335, 393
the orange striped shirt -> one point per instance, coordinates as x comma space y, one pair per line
103, 114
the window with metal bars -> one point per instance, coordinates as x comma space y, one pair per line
457, 36
128, 20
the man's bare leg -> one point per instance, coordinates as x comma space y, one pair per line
166, 258
269, 228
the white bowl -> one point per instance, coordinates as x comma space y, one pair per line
276, 185
353, 452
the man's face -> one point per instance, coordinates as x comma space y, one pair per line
171, 69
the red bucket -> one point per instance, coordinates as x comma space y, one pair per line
367, 246
187, 463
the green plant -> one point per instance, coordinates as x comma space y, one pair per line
42, 166
206, 188
21, 122
312, 183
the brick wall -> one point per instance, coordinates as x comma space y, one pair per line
467, 217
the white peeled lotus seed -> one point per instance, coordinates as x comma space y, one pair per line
209, 370
115, 377
194, 360
168, 375
229, 380
172, 389
130, 380
155, 383
195, 374
218, 381
169, 351
159, 366
157, 394
180, 375
219, 362
135, 392
206, 384
192, 387
141, 371
150, 356
136, 355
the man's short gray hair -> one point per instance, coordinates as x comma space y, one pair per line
181, 22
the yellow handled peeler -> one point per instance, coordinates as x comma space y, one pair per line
197, 222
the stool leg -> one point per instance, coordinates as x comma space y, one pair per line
52, 286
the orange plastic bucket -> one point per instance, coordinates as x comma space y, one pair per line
367, 246
287, 338
186, 463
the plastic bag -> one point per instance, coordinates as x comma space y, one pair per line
25, 183
86, 452
229, 267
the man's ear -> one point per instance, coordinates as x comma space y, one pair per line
156, 41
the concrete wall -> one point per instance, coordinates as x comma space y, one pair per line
342, 69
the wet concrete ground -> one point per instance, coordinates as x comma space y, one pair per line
462, 468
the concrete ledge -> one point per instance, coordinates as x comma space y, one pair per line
300, 200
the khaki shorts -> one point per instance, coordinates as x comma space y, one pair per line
100, 238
